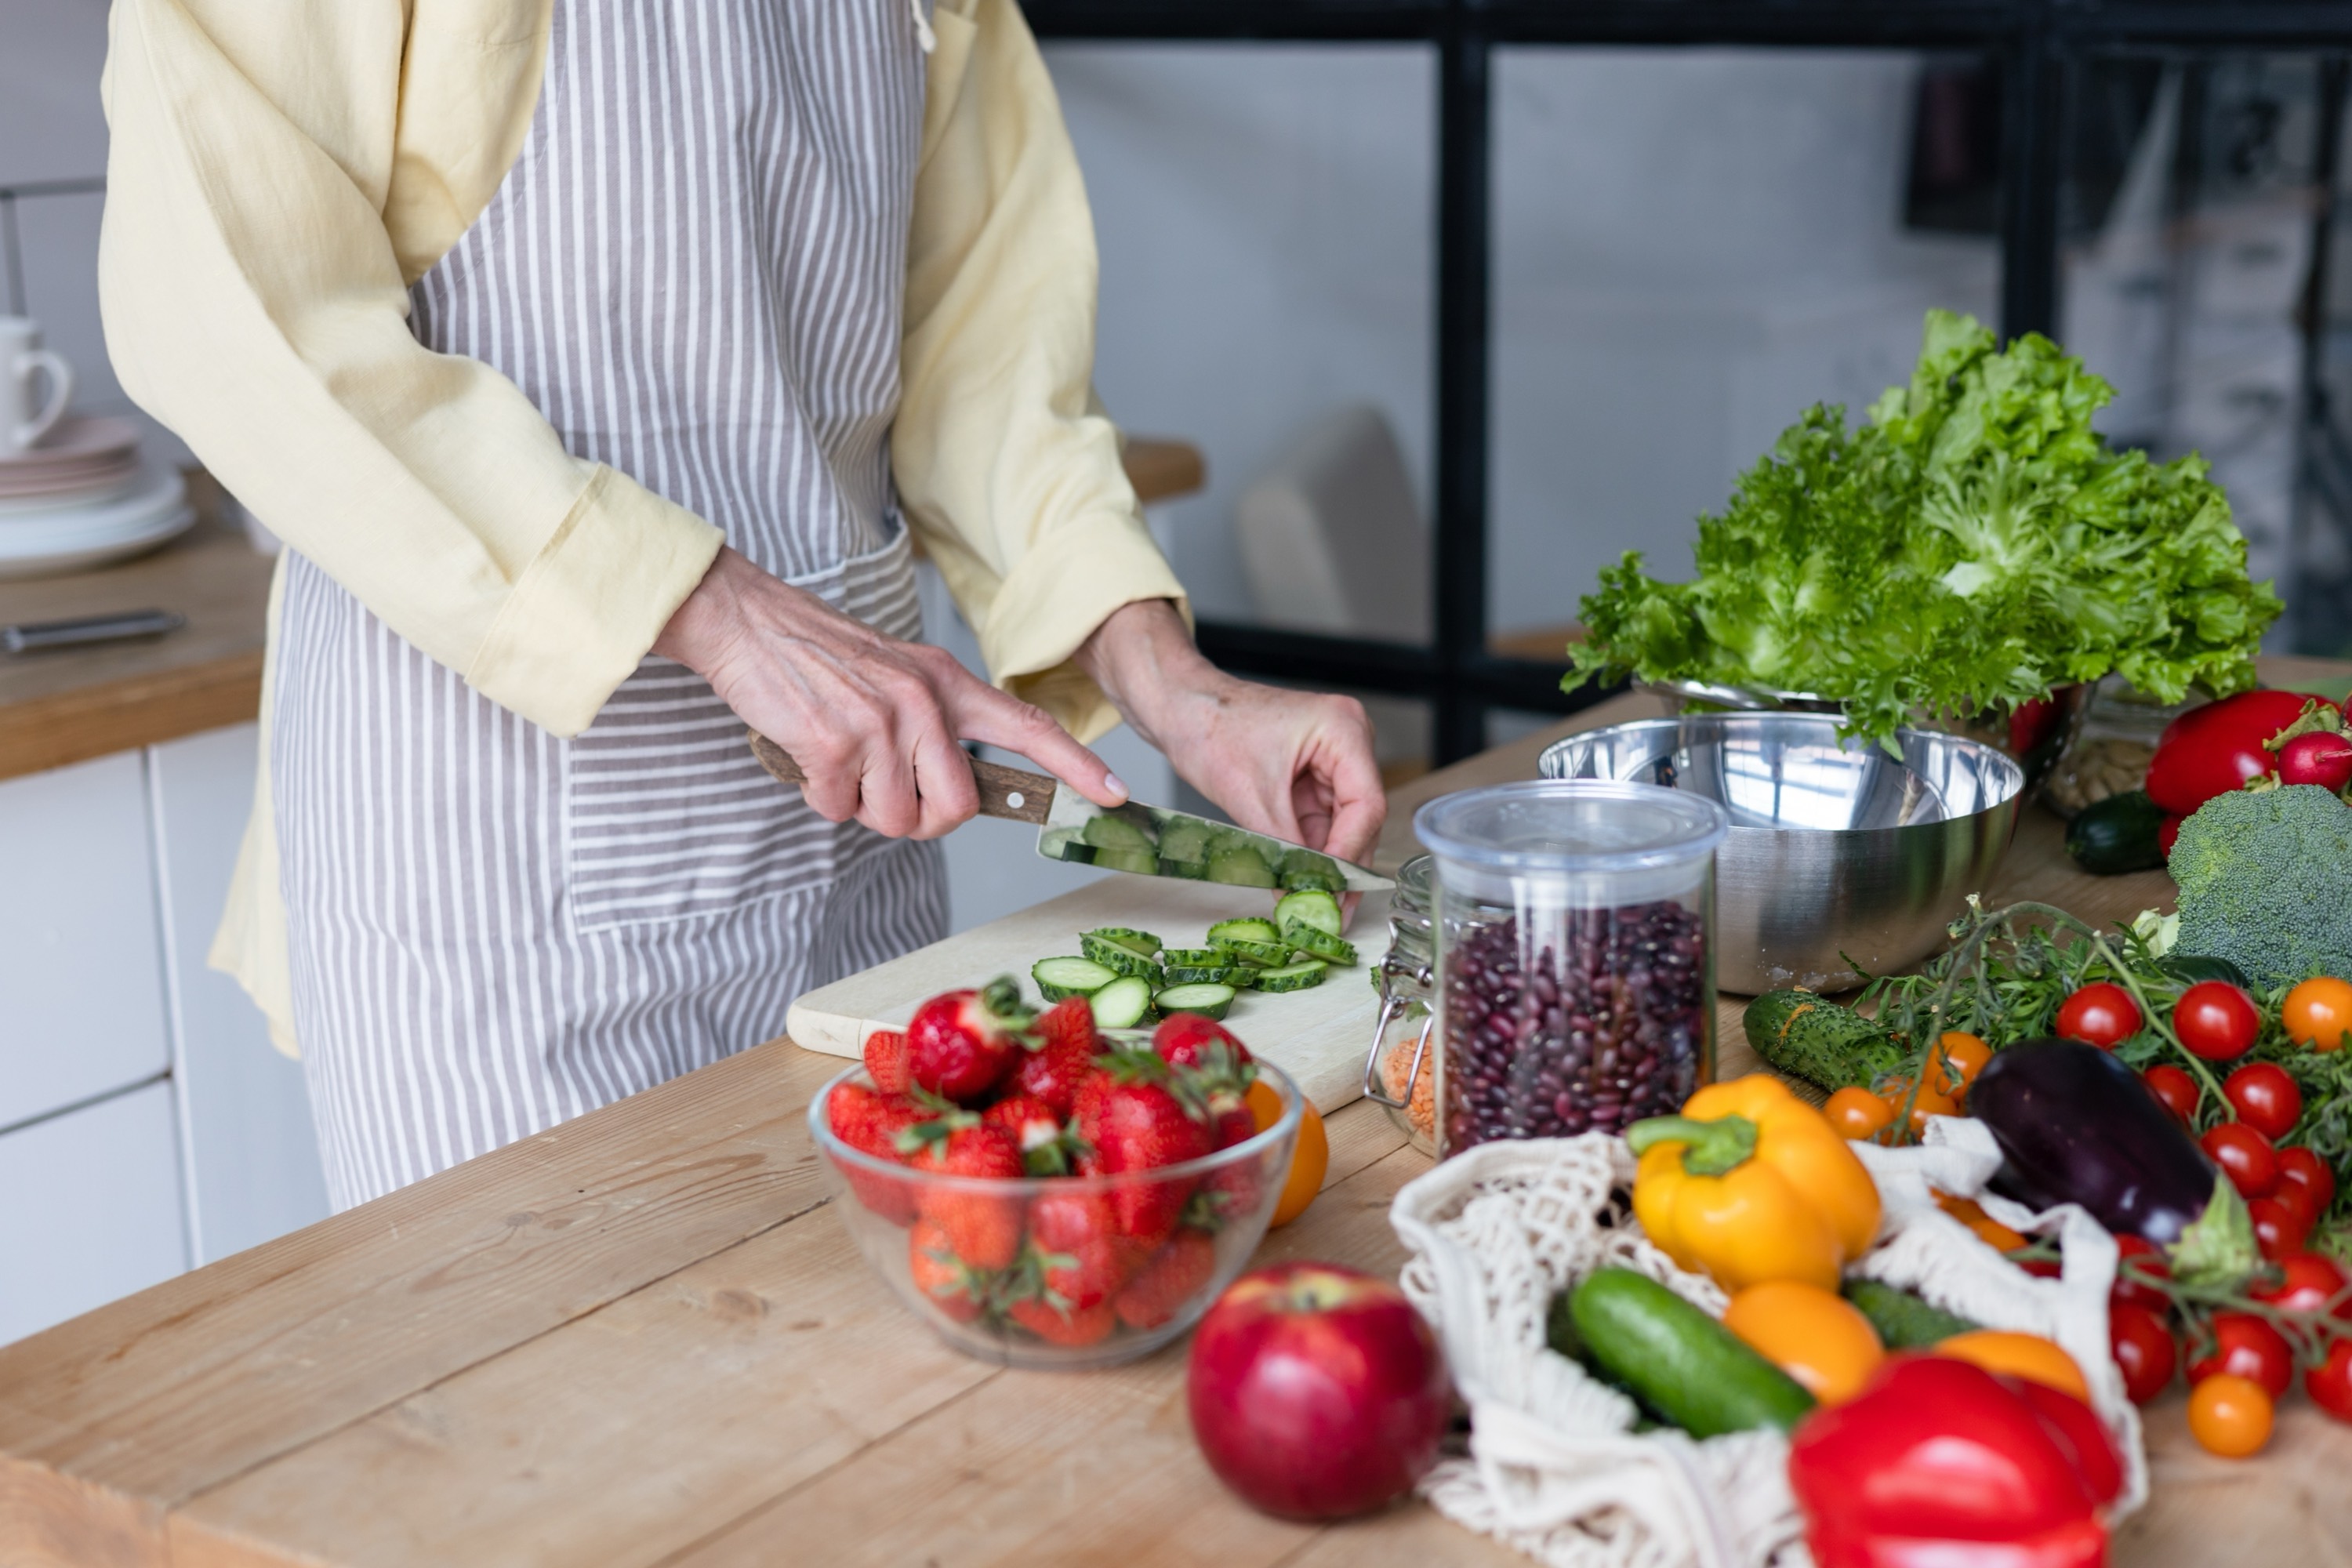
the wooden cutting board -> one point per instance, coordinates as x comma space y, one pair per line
1319, 1036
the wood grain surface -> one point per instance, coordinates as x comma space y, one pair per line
71, 704
640, 1338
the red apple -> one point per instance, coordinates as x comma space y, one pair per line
1317, 1391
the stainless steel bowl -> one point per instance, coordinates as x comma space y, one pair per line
1837, 851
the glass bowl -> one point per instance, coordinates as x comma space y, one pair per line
1093, 1270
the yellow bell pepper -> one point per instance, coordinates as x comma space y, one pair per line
1751, 1184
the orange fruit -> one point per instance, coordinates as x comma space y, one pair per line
1858, 1114
1816, 1336
1310, 1156
2019, 1355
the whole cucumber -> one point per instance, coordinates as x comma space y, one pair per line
1904, 1320
2110, 837
1680, 1362
1811, 1038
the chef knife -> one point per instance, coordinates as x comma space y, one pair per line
1148, 840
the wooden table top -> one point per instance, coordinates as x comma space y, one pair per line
73, 704
639, 1338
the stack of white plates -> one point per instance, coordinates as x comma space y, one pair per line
81, 497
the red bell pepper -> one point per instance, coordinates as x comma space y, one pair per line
1940, 1462
2219, 747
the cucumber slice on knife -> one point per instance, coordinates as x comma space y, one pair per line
1315, 943
1209, 1001
1292, 976
1302, 870
1141, 862
1117, 833
1187, 842
1059, 977
1116, 959
1121, 1004
1241, 865
1311, 907
1251, 928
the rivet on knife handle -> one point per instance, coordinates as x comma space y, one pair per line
1008, 793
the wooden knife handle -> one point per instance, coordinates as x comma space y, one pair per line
1008, 793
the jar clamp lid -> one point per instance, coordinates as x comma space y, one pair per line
1576, 841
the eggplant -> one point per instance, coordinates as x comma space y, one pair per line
2077, 1126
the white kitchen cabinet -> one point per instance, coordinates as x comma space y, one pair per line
252, 1163
89, 1208
81, 993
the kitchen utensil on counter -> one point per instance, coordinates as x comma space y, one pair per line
2035, 736
907, 1221
120, 626
1146, 840
27, 416
1836, 850
1575, 973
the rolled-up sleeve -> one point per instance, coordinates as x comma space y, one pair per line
1007, 466
255, 301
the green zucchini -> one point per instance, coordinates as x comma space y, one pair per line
1677, 1360
1315, 909
2110, 837
1291, 976
1121, 1004
1116, 959
1209, 1001
1904, 1321
1816, 1039
1059, 977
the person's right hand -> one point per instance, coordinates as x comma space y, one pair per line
873, 721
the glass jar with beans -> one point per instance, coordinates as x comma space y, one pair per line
1574, 926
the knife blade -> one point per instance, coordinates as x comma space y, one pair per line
1142, 840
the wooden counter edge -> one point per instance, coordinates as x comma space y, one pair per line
51, 1520
43, 732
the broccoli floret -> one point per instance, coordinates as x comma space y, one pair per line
2266, 882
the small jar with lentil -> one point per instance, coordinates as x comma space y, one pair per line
1401, 1071
1574, 926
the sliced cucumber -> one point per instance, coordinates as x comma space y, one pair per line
1238, 976
1143, 862
1198, 957
1116, 959
1210, 1001
1249, 929
1315, 943
1121, 1004
1061, 977
1191, 870
1303, 870
1141, 944
1291, 976
1117, 833
1312, 908
1185, 841
1241, 865
1264, 955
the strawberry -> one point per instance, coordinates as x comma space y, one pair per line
871, 1123
1143, 1117
1045, 1143
1189, 1039
1180, 1272
886, 1061
949, 1283
958, 1044
982, 1229
1061, 1326
1063, 1055
1074, 1251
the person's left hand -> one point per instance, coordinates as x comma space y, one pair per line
1296, 764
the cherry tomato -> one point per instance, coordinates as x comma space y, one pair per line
2280, 1224
2230, 1417
2318, 1013
2309, 1283
1959, 1057
2216, 1020
1932, 1101
1858, 1114
2143, 1349
2100, 1014
2145, 1257
2330, 1382
2264, 1097
2298, 1166
2246, 1346
2178, 1091
2246, 1156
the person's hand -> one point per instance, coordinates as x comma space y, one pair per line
873, 721
1296, 764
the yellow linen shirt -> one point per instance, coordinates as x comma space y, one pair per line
281, 171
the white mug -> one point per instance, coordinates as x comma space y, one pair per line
24, 421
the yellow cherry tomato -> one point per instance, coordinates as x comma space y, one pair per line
1932, 1101
2230, 1416
2318, 1013
1959, 1057
1310, 1157
1816, 1336
2019, 1355
1858, 1114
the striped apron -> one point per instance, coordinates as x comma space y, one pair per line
695, 269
